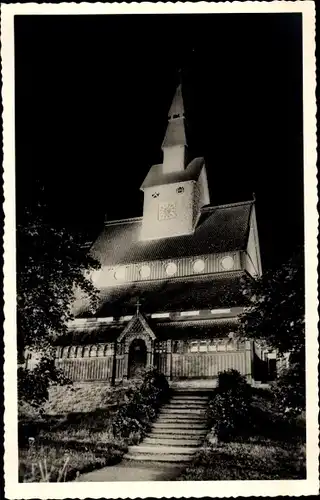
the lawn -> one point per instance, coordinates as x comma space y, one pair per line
274, 449
57, 447
245, 461
56, 462
60, 448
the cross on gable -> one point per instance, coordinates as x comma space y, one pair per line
137, 326
138, 304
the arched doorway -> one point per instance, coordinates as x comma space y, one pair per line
137, 358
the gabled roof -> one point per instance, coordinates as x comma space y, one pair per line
171, 295
220, 229
157, 177
137, 324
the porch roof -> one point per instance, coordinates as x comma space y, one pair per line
175, 330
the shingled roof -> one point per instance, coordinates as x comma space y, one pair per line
181, 294
220, 229
174, 330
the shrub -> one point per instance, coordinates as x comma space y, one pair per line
33, 385
247, 461
289, 390
133, 418
229, 410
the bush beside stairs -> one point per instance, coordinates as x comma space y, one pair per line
179, 430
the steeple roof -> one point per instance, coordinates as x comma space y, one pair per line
175, 134
177, 107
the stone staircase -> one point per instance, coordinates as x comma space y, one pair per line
178, 431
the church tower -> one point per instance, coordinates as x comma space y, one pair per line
174, 191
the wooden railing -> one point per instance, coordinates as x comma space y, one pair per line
85, 369
203, 365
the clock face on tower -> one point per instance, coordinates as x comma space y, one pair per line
167, 210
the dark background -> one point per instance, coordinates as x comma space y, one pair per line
92, 96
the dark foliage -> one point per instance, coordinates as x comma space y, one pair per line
290, 390
53, 266
82, 458
273, 447
275, 318
237, 461
275, 312
230, 411
33, 385
133, 417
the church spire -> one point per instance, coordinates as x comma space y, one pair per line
177, 107
175, 143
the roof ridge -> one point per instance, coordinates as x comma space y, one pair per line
129, 220
230, 319
210, 208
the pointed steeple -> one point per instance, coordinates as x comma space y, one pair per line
177, 107
175, 143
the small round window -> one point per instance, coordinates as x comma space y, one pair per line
227, 263
198, 266
120, 274
180, 190
171, 269
145, 271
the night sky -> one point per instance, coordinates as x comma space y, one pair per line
92, 96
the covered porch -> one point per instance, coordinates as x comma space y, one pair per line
183, 351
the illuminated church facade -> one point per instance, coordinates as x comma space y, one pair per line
169, 281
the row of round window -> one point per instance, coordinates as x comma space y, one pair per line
171, 268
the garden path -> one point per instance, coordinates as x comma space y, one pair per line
129, 470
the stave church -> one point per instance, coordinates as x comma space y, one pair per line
169, 283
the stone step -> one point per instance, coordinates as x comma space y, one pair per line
190, 397
202, 393
180, 414
172, 406
180, 418
159, 458
183, 435
178, 426
187, 402
172, 442
182, 410
160, 450
177, 433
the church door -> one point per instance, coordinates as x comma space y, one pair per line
137, 358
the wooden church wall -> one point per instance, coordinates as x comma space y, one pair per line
86, 363
207, 364
205, 359
181, 359
90, 369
